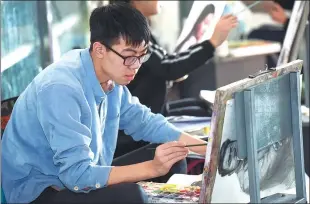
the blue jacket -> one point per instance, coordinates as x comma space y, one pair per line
63, 130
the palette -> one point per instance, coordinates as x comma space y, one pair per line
170, 193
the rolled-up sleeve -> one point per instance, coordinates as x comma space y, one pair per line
138, 121
64, 115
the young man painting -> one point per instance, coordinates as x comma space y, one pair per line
59, 143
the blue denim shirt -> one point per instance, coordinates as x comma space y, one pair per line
64, 127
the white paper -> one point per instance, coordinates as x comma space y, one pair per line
192, 126
269, 48
187, 118
208, 96
183, 179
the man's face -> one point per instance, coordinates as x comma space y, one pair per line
118, 64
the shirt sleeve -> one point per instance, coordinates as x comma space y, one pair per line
174, 66
138, 121
60, 110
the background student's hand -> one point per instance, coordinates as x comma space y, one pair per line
222, 28
166, 155
276, 12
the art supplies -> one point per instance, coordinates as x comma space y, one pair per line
191, 124
170, 193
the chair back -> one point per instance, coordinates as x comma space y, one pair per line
6, 110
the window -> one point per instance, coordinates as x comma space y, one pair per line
69, 25
20, 46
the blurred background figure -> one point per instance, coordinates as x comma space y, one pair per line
149, 84
275, 33
276, 10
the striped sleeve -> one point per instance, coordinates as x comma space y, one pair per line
174, 66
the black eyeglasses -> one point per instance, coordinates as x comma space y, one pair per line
130, 60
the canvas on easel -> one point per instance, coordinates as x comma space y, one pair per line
294, 33
229, 172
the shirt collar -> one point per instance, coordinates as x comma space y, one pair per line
89, 68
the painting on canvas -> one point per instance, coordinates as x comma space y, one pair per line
225, 175
200, 23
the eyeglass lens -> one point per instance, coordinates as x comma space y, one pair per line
132, 60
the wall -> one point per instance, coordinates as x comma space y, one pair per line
166, 24
34, 34
20, 46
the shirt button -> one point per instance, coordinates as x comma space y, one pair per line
76, 188
97, 185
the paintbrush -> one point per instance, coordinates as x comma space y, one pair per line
248, 7
191, 145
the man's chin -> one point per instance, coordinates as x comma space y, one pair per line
123, 83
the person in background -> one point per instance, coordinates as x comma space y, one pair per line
276, 10
162, 67
150, 83
59, 143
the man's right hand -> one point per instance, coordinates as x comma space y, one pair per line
167, 155
222, 29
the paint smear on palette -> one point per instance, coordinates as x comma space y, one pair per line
170, 193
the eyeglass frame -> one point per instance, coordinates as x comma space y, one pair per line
124, 58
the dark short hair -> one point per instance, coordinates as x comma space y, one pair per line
111, 22
116, 1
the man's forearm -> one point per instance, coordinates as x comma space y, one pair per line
131, 173
188, 140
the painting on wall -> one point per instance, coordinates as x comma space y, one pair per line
200, 23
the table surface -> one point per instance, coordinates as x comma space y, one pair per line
250, 51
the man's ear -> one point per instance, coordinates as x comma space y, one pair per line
99, 50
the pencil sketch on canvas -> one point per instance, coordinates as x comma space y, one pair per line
225, 176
